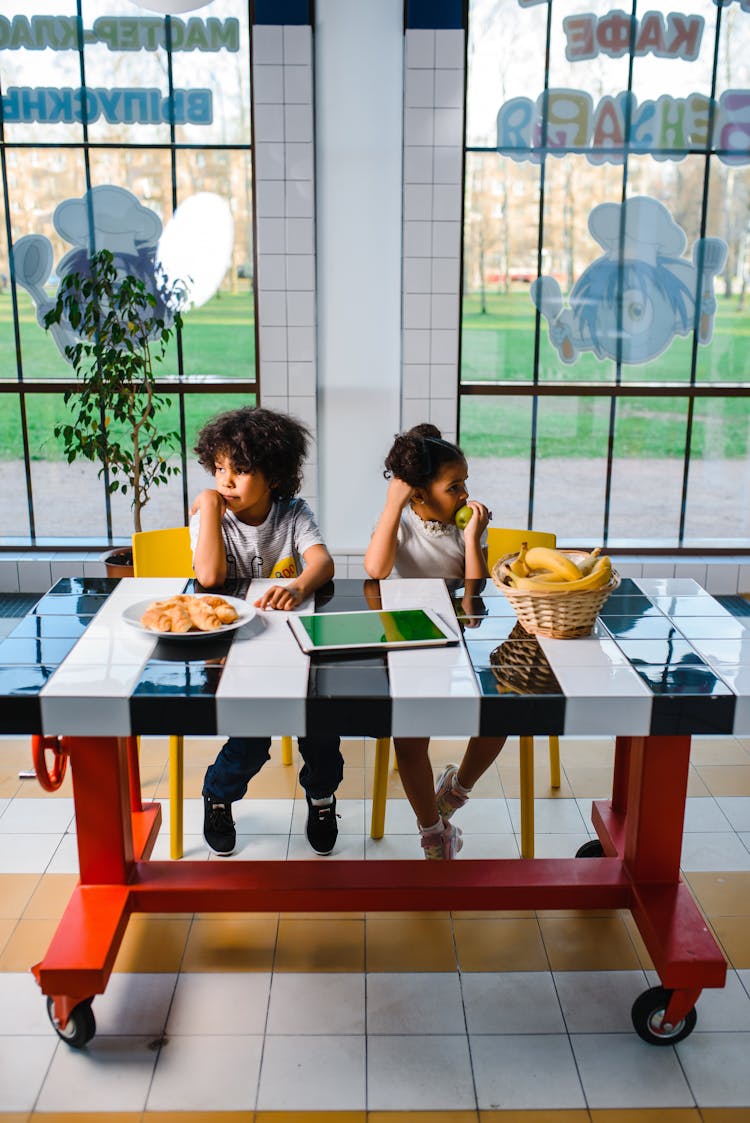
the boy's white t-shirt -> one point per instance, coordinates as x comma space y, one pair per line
428, 549
273, 549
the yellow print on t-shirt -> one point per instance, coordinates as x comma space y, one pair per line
286, 567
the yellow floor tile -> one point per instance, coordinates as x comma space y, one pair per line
721, 894
589, 782
410, 942
636, 939
26, 944
647, 1115
14, 1117
15, 891
30, 789
274, 781
511, 781
50, 897
719, 750
730, 779
696, 786
320, 945
725, 1114
588, 944
356, 750
568, 1115
305, 1117
597, 752
152, 944
242, 943
733, 933
83, 1117
499, 945
352, 785
421, 1117
191, 1117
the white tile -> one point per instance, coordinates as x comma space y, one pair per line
415, 380
442, 380
208, 1004
256, 848
484, 816
65, 857
426, 1073
299, 160
180, 1082
449, 126
407, 1003
110, 1074
298, 123
445, 275
417, 200
269, 160
444, 346
619, 1070
271, 271
37, 816
35, 574
417, 239
267, 44
449, 88
350, 816
477, 845
297, 45
305, 410
262, 816
271, 308
299, 199
269, 198
271, 236
272, 344
134, 1004
394, 847
273, 378
447, 164
449, 48
704, 814
559, 845
417, 274
301, 378
9, 582
325, 1003
348, 848
714, 851
599, 1001
268, 122
716, 1068
327, 1074
720, 1009
23, 1001
298, 85
551, 816
722, 578
419, 88
445, 307
414, 411
420, 48
268, 84
300, 271
416, 346
443, 414
736, 808
300, 307
27, 853
667, 586
419, 126
512, 1002
24, 1062
416, 311
530, 1071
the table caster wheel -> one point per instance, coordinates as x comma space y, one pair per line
648, 1018
80, 1026
591, 849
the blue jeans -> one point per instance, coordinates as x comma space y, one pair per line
240, 758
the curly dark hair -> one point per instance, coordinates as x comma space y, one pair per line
257, 440
417, 456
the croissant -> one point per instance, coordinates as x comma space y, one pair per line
185, 613
224, 611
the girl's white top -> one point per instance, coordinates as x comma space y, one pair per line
428, 549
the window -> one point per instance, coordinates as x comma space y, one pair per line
604, 377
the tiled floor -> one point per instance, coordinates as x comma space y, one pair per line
379, 1017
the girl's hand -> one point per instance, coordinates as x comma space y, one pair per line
477, 524
399, 493
285, 597
208, 501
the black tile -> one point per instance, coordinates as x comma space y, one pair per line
712, 627
495, 628
193, 651
632, 605
635, 627
24, 679
676, 681
519, 715
699, 605
626, 588
526, 679
84, 585
19, 713
50, 626
167, 714
236, 588
342, 716
183, 679
733, 651
348, 682
659, 651
334, 659
33, 649
72, 604
686, 714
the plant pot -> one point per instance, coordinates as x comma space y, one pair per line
119, 562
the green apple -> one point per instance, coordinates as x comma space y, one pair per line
462, 516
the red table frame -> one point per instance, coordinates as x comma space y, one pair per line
640, 830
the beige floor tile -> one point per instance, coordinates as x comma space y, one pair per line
308, 1117
320, 945
499, 945
586, 781
241, 943
26, 944
721, 894
646, 1115
696, 786
718, 750
83, 1117
595, 753
422, 1117
644, 959
588, 944
730, 779
410, 942
187, 1117
15, 891
30, 789
7, 924
733, 933
566, 1115
725, 1114
16, 1117
511, 780
50, 897
153, 944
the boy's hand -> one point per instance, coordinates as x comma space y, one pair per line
208, 501
399, 493
477, 524
284, 597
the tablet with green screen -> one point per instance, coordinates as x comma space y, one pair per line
341, 631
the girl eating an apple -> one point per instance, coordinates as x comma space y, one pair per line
417, 536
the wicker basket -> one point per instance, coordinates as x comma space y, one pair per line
556, 615
520, 666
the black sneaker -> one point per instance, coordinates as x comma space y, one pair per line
322, 829
218, 825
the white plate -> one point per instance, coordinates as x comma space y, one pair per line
132, 615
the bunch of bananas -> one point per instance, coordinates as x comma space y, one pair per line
545, 570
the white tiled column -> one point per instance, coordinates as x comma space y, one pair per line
285, 225
433, 185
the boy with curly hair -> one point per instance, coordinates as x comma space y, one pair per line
253, 524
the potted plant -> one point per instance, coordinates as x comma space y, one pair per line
119, 331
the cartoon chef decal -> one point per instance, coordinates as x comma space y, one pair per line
632, 301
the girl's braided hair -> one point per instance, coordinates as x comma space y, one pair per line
257, 440
417, 456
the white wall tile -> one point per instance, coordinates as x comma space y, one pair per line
419, 88
301, 343
689, 568
298, 85
305, 410
66, 565
300, 235
272, 344
743, 579
269, 160
446, 239
271, 271
449, 88
268, 123
721, 578
417, 274
298, 123
449, 48
445, 309
417, 239
418, 201
268, 85
416, 346
273, 379
414, 411
628, 568
445, 275
301, 379
418, 166
299, 161
658, 569
446, 202
8, 576
299, 199
443, 379
444, 346
271, 308
269, 198
300, 309
297, 45
94, 567
35, 574
449, 126
443, 413
419, 127
279, 403
270, 235
420, 48
417, 310
267, 44
300, 271
448, 164
415, 380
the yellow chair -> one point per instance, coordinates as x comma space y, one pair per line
167, 553
500, 541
